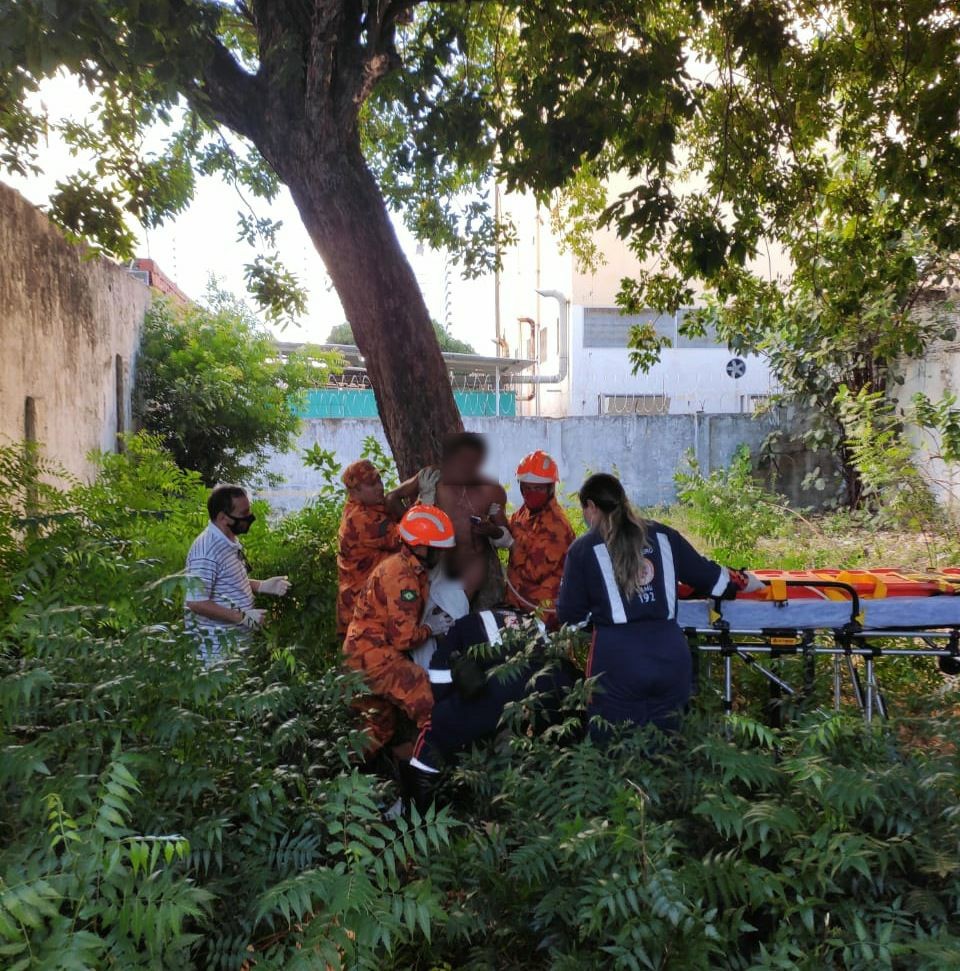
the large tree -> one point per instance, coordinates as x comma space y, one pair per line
723, 113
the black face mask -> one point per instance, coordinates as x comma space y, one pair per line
241, 524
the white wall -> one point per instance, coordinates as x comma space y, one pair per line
694, 379
644, 450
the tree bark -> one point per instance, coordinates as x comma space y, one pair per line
346, 217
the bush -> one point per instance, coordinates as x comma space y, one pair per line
158, 814
155, 813
730, 509
811, 848
212, 386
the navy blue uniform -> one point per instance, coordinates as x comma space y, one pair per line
457, 721
639, 653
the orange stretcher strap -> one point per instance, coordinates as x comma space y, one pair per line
778, 589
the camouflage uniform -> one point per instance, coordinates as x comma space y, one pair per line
367, 537
540, 543
385, 626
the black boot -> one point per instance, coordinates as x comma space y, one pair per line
417, 787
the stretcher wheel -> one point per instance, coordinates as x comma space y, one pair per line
949, 665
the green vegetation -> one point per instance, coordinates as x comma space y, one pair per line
343, 334
211, 385
158, 814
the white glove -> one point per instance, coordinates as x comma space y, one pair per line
253, 618
754, 583
439, 622
427, 479
275, 586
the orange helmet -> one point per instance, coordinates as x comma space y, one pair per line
427, 526
538, 468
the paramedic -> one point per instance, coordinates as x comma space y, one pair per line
470, 694
622, 576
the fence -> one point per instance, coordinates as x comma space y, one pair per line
645, 450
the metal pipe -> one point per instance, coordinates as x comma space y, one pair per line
563, 343
521, 379
825, 651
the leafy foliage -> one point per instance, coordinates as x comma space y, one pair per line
156, 813
343, 334
211, 384
730, 509
851, 304
758, 849
893, 485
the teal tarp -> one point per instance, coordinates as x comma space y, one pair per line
357, 403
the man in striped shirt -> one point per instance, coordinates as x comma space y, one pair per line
219, 601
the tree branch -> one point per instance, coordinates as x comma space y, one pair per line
234, 96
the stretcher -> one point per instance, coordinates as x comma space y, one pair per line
850, 616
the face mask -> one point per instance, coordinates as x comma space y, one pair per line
535, 501
241, 524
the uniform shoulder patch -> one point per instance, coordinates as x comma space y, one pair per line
408, 595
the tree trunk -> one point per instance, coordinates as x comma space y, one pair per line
346, 216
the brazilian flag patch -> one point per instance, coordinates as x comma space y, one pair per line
408, 595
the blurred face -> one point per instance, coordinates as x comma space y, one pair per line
463, 467
369, 493
535, 496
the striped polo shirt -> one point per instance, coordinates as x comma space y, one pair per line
216, 570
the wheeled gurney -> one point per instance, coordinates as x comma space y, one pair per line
845, 615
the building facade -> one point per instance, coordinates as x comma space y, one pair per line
565, 318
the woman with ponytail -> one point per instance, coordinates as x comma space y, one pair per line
622, 577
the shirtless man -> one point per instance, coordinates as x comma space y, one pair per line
475, 504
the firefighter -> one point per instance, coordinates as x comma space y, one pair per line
541, 537
367, 536
622, 577
386, 626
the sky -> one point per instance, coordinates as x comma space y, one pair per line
203, 241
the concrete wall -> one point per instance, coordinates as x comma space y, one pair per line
936, 374
644, 450
69, 330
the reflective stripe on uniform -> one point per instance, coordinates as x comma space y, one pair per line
440, 675
490, 627
723, 581
669, 574
617, 611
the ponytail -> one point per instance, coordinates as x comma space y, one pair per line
623, 531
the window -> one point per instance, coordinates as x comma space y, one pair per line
607, 327
634, 404
752, 403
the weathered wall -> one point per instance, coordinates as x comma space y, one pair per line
69, 330
644, 450
935, 375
